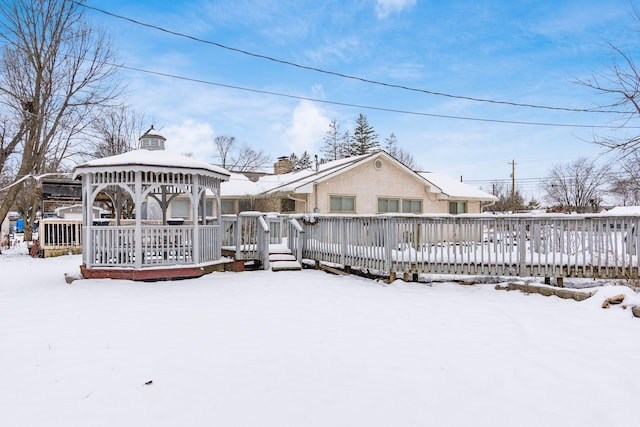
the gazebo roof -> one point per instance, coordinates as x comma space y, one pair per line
155, 160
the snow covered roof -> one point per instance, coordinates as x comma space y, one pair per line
300, 181
456, 189
239, 185
624, 210
150, 160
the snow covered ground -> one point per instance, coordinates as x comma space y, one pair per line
306, 348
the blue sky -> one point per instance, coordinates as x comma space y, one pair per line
528, 52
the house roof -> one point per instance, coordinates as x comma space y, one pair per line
302, 181
239, 185
624, 210
456, 189
151, 160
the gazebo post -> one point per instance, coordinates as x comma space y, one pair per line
118, 204
137, 234
195, 203
87, 218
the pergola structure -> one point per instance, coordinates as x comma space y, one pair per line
140, 241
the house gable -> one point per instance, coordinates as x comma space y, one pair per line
379, 177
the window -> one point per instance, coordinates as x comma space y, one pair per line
456, 208
234, 206
342, 204
388, 205
287, 205
228, 206
180, 208
208, 206
412, 206
244, 205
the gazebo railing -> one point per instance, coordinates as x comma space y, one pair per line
161, 245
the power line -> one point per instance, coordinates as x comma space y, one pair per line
342, 75
367, 107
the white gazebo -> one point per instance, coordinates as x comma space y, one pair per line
131, 243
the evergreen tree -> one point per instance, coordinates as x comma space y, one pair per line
305, 161
331, 147
302, 162
347, 148
365, 138
293, 158
391, 144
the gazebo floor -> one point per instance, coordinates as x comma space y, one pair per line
155, 274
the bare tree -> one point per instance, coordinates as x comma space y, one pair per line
403, 156
622, 85
246, 159
507, 202
224, 145
238, 158
9, 140
55, 70
576, 186
625, 184
116, 130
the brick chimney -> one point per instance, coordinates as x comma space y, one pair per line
282, 166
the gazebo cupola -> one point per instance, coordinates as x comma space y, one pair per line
152, 140
143, 239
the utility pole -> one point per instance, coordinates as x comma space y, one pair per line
513, 182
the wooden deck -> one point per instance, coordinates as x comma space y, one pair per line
593, 246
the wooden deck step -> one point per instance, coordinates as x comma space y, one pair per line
282, 261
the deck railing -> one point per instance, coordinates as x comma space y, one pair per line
57, 236
597, 246
249, 235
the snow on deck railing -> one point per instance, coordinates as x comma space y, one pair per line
602, 246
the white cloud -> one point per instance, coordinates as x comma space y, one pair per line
384, 8
190, 137
307, 127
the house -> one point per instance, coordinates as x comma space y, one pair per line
76, 212
58, 193
367, 184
